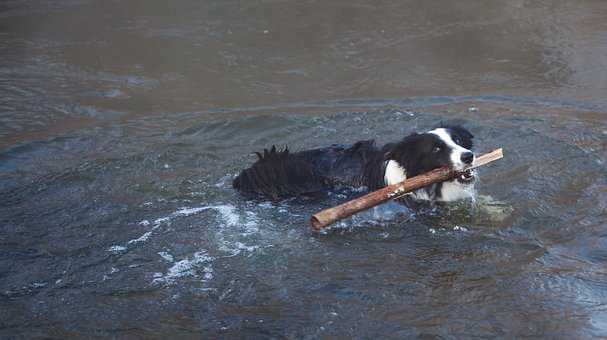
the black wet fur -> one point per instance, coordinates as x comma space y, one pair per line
279, 174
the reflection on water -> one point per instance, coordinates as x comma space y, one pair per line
123, 124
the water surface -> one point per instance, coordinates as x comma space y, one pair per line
123, 124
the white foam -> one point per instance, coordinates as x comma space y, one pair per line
248, 225
116, 249
142, 238
222, 182
460, 228
266, 205
166, 256
236, 247
233, 234
228, 214
187, 268
159, 221
189, 211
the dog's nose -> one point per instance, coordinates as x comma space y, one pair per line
467, 157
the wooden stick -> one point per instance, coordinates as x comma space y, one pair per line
487, 158
328, 216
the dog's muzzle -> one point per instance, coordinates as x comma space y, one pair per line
465, 177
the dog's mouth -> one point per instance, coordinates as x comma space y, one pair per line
465, 177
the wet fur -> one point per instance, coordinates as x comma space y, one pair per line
279, 174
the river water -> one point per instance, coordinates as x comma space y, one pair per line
122, 125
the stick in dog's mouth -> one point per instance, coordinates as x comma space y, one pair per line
326, 217
466, 176
486, 158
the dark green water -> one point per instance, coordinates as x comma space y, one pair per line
122, 125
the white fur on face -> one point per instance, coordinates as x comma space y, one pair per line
453, 190
394, 173
456, 149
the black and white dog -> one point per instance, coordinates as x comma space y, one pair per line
281, 174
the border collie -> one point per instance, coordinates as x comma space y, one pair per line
279, 174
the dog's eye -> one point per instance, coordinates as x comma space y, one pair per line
457, 140
436, 149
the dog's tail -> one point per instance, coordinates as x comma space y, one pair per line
278, 174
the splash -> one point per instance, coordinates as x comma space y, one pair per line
228, 213
235, 234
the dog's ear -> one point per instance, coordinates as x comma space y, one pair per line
405, 152
464, 135
456, 127
462, 131
388, 155
397, 150
458, 130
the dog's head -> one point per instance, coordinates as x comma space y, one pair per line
419, 153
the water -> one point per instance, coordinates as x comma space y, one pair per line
123, 124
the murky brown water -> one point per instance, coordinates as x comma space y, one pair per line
122, 124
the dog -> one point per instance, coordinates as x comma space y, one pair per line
279, 174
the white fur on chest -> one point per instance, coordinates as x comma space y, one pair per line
450, 191
453, 191
394, 173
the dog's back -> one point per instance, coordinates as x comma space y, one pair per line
280, 174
